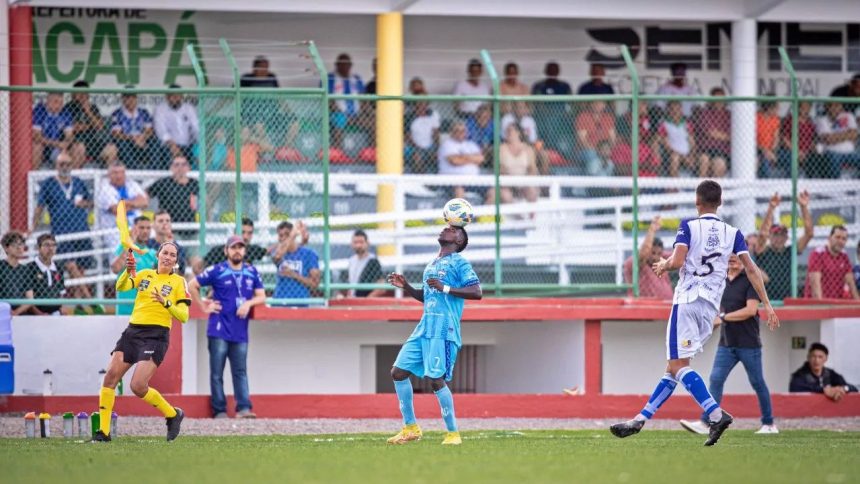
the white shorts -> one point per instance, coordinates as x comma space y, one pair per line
690, 326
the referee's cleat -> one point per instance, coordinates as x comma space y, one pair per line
174, 423
407, 434
452, 438
717, 429
626, 429
100, 437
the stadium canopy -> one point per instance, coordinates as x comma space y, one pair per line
670, 10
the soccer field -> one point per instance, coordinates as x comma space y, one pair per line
489, 456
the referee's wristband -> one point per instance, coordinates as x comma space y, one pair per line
446, 288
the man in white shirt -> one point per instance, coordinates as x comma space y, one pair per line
109, 193
459, 156
423, 137
702, 249
472, 86
837, 131
176, 126
677, 85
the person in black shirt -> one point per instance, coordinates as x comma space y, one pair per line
253, 253
15, 280
177, 195
47, 279
740, 341
814, 377
774, 258
849, 89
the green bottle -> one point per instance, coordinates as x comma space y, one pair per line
95, 422
119, 388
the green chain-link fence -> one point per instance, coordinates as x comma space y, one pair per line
570, 190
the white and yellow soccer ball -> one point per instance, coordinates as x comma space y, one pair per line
458, 212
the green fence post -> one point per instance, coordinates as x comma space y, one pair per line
497, 126
203, 152
237, 130
634, 146
320, 67
795, 102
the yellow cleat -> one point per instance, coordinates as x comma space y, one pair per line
452, 438
407, 434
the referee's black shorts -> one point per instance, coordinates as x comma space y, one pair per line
142, 343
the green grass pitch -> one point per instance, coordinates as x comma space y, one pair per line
487, 456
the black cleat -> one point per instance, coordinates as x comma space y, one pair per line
174, 423
626, 429
100, 437
717, 429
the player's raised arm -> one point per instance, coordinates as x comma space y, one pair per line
754, 275
397, 280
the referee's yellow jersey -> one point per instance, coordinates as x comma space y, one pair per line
172, 287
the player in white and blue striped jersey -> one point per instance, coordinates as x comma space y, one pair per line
701, 253
431, 350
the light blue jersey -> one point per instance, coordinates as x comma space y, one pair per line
442, 312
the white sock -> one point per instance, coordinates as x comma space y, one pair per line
716, 415
640, 418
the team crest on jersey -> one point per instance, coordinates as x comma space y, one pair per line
686, 343
713, 238
165, 290
144, 284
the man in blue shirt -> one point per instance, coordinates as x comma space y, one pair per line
597, 84
298, 266
236, 288
132, 131
551, 116
52, 130
431, 350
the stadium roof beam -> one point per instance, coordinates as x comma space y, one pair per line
626, 10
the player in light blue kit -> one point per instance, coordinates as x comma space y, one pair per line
431, 350
702, 249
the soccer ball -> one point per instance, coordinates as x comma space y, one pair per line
458, 212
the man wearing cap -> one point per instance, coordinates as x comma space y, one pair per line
775, 258
236, 288
176, 126
131, 129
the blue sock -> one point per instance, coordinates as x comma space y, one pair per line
446, 403
661, 394
404, 396
696, 386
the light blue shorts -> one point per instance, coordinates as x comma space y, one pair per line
428, 357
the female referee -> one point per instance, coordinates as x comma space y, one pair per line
161, 296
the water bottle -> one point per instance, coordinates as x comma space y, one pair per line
47, 382
102, 374
83, 419
95, 422
30, 425
68, 425
45, 425
119, 388
113, 427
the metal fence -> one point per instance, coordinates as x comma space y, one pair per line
570, 190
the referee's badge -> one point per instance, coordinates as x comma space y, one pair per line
144, 284
165, 290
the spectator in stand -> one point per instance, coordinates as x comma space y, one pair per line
117, 187
849, 89
459, 156
480, 129
236, 289
828, 271
837, 131
298, 266
177, 194
511, 86
422, 142
516, 158
713, 131
550, 116
601, 164
140, 233
260, 76
767, 141
675, 137
89, 125
774, 259
814, 377
807, 159
622, 152
370, 88
131, 128
471, 86
253, 253
46, 279
53, 132
597, 84
68, 202
342, 81
593, 127
521, 116
15, 280
677, 85
416, 88
650, 252
176, 126
163, 227
255, 147
364, 268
